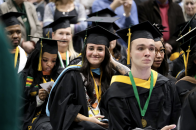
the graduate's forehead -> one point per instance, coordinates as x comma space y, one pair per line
13, 27
143, 42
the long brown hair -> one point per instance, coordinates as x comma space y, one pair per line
106, 68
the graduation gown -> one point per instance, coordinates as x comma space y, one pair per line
124, 114
33, 116
67, 99
184, 86
188, 114
178, 65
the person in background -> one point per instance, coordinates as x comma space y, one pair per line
29, 22
88, 5
126, 10
61, 8
189, 9
141, 98
13, 31
62, 31
40, 7
42, 67
10, 86
163, 12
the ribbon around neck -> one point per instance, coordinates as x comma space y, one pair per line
143, 111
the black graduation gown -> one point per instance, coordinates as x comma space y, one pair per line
67, 99
184, 86
178, 65
188, 113
76, 60
123, 110
31, 120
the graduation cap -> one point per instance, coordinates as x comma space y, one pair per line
160, 27
105, 22
45, 45
62, 22
105, 13
188, 45
10, 18
97, 35
190, 25
179, 29
142, 30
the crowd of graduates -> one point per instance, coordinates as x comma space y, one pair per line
101, 73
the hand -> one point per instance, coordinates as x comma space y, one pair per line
116, 3
169, 127
28, 46
94, 119
42, 94
127, 7
49, 89
168, 48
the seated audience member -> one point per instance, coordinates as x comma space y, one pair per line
189, 9
163, 12
126, 10
74, 99
29, 22
141, 98
13, 31
60, 8
42, 67
62, 31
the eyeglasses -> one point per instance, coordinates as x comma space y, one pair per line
161, 51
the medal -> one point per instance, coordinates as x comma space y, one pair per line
144, 122
142, 111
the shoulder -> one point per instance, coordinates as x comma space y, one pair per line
28, 4
51, 5
175, 6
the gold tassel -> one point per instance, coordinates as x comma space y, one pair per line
16, 56
129, 46
40, 58
48, 34
187, 58
189, 28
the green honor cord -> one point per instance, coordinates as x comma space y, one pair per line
143, 112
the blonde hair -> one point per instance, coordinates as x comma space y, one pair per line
183, 9
74, 54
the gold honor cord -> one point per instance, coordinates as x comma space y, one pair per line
129, 46
16, 56
98, 92
40, 58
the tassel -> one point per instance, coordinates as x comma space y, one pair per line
129, 46
187, 58
189, 29
48, 34
40, 58
16, 56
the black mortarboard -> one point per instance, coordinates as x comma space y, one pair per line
45, 45
105, 22
188, 45
105, 13
190, 25
62, 22
98, 35
160, 27
179, 29
142, 30
10, 18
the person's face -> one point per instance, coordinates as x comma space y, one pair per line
64, 35
48, 61
95, 54
142, 53
190, 7
159, 54
112, 44
14, 34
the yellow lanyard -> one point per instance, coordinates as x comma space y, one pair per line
98, 92
44, 81
16, 57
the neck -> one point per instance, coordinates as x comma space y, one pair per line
66, 2
94, 66
19, 3
162, 1
63, 49
140, 73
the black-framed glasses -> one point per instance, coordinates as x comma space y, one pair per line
161, 51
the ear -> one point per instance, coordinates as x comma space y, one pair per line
195, 61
